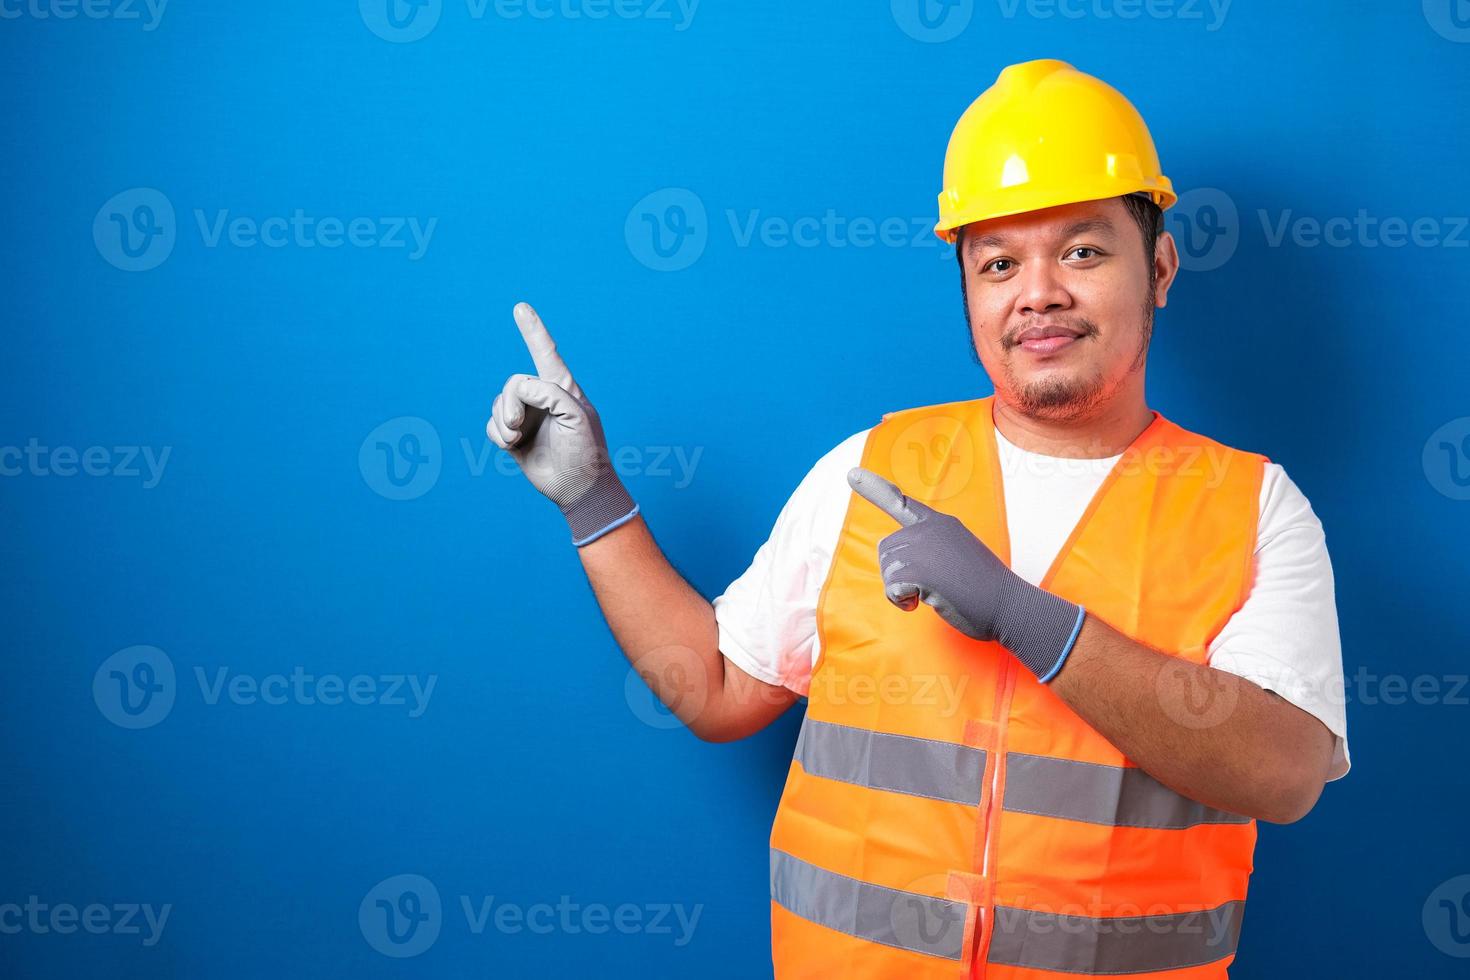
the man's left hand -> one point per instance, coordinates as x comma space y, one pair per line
934, 559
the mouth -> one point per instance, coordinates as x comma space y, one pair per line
1047, 340
1048, 345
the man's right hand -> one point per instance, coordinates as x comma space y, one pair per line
666, 629
553, 433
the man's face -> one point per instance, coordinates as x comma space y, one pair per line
1060, 304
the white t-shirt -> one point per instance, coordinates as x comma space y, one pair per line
1283, 638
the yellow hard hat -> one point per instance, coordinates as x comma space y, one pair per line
1046, 134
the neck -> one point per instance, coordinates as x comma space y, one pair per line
1106, 433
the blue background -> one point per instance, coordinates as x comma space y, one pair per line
535, 772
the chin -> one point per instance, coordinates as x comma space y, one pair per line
1057, 394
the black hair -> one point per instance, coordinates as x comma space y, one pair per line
1150, 220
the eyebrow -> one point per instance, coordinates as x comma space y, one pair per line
1071, 231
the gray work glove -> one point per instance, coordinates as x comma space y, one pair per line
935, 559
553, 433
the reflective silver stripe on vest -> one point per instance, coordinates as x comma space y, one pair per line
897, 763
1126, 944
919, 923
1111, 795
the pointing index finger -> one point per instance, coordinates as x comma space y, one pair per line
884, 495
549, 365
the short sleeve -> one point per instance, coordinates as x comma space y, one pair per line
1284, 637
768, 616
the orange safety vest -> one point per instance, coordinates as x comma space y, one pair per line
945, 814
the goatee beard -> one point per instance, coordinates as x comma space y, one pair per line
1070, 399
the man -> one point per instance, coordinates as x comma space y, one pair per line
1131, 642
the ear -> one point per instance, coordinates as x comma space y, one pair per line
1166, 267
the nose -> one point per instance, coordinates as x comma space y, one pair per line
1040, 290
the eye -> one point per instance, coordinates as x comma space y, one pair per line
1092, 252
995, 265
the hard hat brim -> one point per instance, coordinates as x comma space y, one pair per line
1019, 201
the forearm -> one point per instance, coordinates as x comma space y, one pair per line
667, 631
665, 628
1207, 734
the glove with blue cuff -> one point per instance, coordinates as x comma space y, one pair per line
553, 433
934, 559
